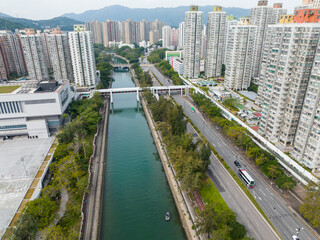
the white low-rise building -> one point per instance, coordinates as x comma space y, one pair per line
34, 109
177, 65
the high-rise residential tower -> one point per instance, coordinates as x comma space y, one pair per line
228, 25
34, 55
307, 141
10, 46
174, 37
83, 60
288, 57
261, 16
166, 36
240, 51
3, 69
316, 4
215, 42
60, 56
192, 42
181, 34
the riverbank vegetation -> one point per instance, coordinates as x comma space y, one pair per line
69, 170
190, 160
132, 55
144, 78
241, 137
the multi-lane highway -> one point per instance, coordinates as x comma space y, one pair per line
236, 199
274, 207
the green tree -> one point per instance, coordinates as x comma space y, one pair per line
204, 155
238, 231
273, 171
206, 223
310, 208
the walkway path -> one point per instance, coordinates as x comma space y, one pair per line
64, 199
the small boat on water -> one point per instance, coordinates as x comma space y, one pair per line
167, 216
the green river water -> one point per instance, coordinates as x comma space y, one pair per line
136, 192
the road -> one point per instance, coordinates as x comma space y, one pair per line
236, 199
271, 203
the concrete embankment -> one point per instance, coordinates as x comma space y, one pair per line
174, 185
102, 168
93, 210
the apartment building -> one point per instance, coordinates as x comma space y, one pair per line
261, 16
174, 37
192, 42
82, 57
288, 57
307, 139
34, 56
215, 42
60, 56
316, 4
240, 50
228, 25
3, 69
166, 36
11, 49
96, 28
181, 34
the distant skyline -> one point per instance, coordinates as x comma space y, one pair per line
45, 9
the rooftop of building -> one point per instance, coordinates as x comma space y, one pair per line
30, 86
20, 159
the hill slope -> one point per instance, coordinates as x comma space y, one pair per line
4, 15
11, 23
170, 16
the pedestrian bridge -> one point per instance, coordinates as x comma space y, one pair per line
182, 89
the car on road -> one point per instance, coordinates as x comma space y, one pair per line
237, 164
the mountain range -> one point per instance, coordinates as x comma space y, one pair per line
10, 23
170, 16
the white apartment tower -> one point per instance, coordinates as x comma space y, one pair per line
82, 56
60, 57
307, 140
181, 34
228, 25
289, 53
166, 36
262, 16
240, 51
34, 55
192, 42
316, 4
215, 42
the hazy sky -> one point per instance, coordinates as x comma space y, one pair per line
46, 9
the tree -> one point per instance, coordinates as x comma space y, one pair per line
261, 160
238, 231
273, 171
310, 208
204, 155
253, 152
206, 222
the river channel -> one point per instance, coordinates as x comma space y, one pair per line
136, 192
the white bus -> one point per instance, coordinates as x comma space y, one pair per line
246, 177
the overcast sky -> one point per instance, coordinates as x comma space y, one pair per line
46, 9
